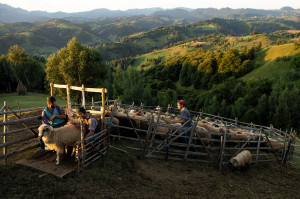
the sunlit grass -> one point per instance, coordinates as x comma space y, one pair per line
280, 51
31, 100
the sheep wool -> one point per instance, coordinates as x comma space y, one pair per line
241, 159
56, 139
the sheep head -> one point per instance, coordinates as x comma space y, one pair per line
234, 162
45, 130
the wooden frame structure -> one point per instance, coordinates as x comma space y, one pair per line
92, 148
216, 150
154, 144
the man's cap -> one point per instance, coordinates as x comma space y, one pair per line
51, 99
182, 102
80, 110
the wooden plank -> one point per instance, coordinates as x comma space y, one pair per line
257, 151
19, 130
5, 129
46, 163
2, 109
51, 89
22, 110
59, 86
20, 121
69, 106
25, 125
6, 144
103, 108
19, 151
190, 138
93, 90
83, 96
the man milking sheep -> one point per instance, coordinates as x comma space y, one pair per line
90, 124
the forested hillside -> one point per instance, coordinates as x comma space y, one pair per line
254, 82
167, 36
129, 36
238, 68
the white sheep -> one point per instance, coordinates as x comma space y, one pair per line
56, 139
241, 159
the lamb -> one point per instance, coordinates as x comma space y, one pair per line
242, 159
57, 139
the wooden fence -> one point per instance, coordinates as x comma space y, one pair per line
217, 148
7, 111
203, 146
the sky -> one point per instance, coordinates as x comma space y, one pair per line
86, 5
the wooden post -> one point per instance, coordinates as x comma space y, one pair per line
83, 96
148, 135
51, 89
190, 139
68, 100
284, 148
223, 143
103, 107
5, 129
82, 159
257, 150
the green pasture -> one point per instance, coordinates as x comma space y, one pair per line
31, 100
268, 66
270, 69
281, 51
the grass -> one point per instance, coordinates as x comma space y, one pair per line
164, 53
31, 100
270, 69
281, 51
268, 66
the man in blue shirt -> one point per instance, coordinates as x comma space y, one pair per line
186, 121
53, 115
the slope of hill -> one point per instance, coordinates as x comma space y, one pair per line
272, 62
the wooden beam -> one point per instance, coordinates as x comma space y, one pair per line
19, 130
17, 141
22, 110
83, 96
5, 129
51, 89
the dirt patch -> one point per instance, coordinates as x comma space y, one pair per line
123, 175
294, 31
199, 43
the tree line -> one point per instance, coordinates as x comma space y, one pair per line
207, 80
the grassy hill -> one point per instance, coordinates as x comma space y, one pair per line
271, 66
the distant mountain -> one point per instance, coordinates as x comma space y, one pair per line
9, 14
48, 36
161, 37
